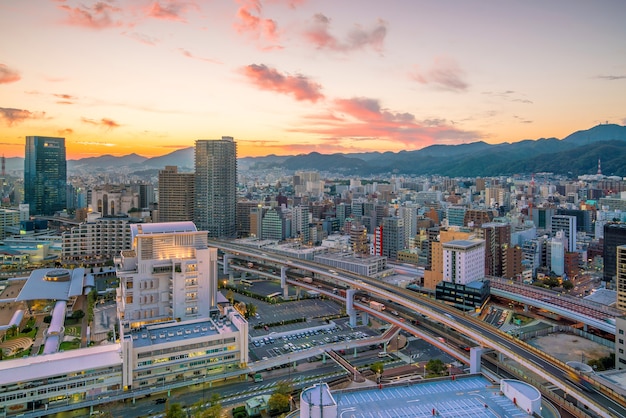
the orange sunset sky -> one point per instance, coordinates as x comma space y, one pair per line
295, 76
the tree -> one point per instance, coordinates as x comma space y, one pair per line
278, 402
12, 331
568, 285
77, 315
377, 367
175, 411
435, 366
251, 309
280, 399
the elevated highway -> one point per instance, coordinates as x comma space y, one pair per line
601, 401
586, 312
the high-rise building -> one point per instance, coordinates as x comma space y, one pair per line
567, 224
45, 175
497, 238
463, 261
393, 236
614, 236
176, 195
216, 187
244, 209
620, 284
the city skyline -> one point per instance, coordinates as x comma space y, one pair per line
293, 76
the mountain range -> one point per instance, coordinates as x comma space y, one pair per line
573, 155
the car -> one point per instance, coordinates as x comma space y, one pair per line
160, 400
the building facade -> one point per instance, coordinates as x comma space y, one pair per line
99, 237
216, 187
176, 195
463, 261
168, 311
45, 175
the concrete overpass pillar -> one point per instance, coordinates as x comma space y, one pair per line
475, 354
283, 282
350, 307
525, 307
585, 327
227, 258
365, 318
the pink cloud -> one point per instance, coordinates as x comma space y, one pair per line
271, 79
445, 73
143, 38
65, 98
188, 54
171, 10
98, 16
104, 123
358, 38
363, 119
14, 116
251, 22
8, 75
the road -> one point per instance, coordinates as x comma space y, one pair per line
486, 335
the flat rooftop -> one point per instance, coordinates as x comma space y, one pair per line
175, 331
473, 396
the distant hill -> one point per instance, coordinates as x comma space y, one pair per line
575, 154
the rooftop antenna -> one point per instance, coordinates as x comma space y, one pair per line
3, 166
599, 168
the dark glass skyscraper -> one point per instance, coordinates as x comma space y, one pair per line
614, 236
45, 175
216, 187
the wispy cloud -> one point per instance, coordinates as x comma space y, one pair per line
170, 10
188, 54
103, 144
508, 95
251, 22
104, 123
8, 75
100, 15
13, 117
611, 77
299, 86
65, 98
66, 131
318, 33
363, 119
143, 38
444, 73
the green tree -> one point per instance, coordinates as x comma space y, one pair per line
568, 285
12, 331
435, 366
77, 315
278, 402
174, 410
280, 399
378, 367
250, 309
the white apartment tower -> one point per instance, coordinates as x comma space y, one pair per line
463, 261
169, 273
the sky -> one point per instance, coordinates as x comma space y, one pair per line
289, 77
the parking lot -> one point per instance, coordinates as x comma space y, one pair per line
274, 345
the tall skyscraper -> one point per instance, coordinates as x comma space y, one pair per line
614, 236
216, 187
45, 175
176, 195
